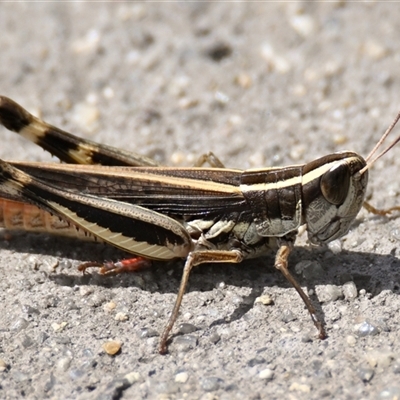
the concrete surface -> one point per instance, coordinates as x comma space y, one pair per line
259, 84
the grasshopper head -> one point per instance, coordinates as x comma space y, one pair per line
333, 194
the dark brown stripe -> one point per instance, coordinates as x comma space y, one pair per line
269, 176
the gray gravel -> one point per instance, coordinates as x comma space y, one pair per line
259, 84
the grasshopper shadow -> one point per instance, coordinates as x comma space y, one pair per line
369, 271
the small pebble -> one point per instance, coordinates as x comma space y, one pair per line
42, 337
351, 340
266, 374
365, 374
210, 384
58, 327
395, 233
299, 90
120, 316
219, 51
221, 98
96, 300
71, 305
264, 299
303, 24
257, 159
89, 364
133, 377
396, 367
108, 92
108, 307
65, 340
27, 309
112, 347
380, 357
19, 325
187, 102
221, 285
3, 365
256, 361
145, 333
306, 338
329, 293
63, 364
186, 328
49, 383
85, 291
87, 43
177, 158
244, 80
50, 301
335, 246
236, 299
181, 377
185, 343
339, 139
215, 338
300, 387
275, 61
365, 329
288, 316
33, 262
76, 373
350, 290
88, 353
27, 341
179, 86
297, 152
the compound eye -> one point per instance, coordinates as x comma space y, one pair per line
335, 184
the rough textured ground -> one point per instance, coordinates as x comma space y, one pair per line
260, 85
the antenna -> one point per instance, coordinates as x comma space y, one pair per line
381, 140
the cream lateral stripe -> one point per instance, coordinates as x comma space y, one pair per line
126, 243
195, 184
318, 172
188, 183
306, 178
272, 185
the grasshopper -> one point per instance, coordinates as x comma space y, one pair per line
203, 215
